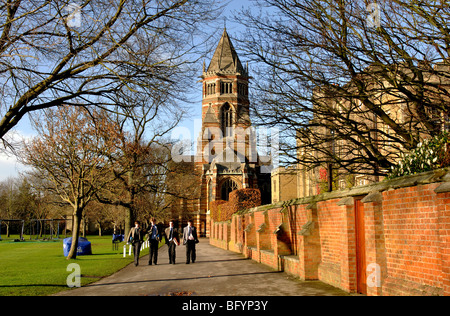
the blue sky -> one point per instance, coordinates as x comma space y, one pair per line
192, 125
9, 167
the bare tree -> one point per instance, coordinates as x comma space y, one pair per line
99, 214
74, 153
353, 83
142, 168
16, 200
56, 52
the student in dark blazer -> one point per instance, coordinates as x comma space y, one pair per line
135, 237
172, 241
154, 238
189, 240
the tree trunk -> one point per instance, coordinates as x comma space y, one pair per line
83, 226
129, 220
75, 233
130, 215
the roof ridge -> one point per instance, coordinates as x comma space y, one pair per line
225, 58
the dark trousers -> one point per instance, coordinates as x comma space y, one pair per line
136, 252
153, 251
190, 251
172, 254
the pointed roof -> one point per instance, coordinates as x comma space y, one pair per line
210, 117
225, 58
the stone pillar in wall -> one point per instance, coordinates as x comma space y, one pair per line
375, 244
309, 252
250, 235
348, 254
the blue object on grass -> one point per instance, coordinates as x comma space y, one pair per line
84, 246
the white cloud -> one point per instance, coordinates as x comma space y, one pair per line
9, 166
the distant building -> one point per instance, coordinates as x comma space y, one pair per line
313, 181
285, 184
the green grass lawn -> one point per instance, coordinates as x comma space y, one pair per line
40, 268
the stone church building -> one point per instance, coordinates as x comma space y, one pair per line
227, 158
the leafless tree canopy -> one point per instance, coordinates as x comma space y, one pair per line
363, 78
55, 52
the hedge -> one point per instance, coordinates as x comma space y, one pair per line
216, 209
239, 200
431, 154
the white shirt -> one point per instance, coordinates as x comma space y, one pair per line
190, 233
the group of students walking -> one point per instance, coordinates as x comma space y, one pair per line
137, 234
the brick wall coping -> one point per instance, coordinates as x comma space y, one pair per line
434, 176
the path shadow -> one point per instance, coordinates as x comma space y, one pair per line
220, 260
183, 279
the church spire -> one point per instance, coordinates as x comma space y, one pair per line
225, 59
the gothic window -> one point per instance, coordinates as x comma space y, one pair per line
210, 88
227, 187
242, 89
226, 87
227, 120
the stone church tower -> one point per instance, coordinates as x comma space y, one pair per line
226, 149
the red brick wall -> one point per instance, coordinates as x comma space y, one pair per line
407, 239
443, 209
294, 218
413, 241
263, 239
331, 225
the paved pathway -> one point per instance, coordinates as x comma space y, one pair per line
216, 272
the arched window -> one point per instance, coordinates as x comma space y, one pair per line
227, 187
227, 120
210, 88
226, 87
242, 89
